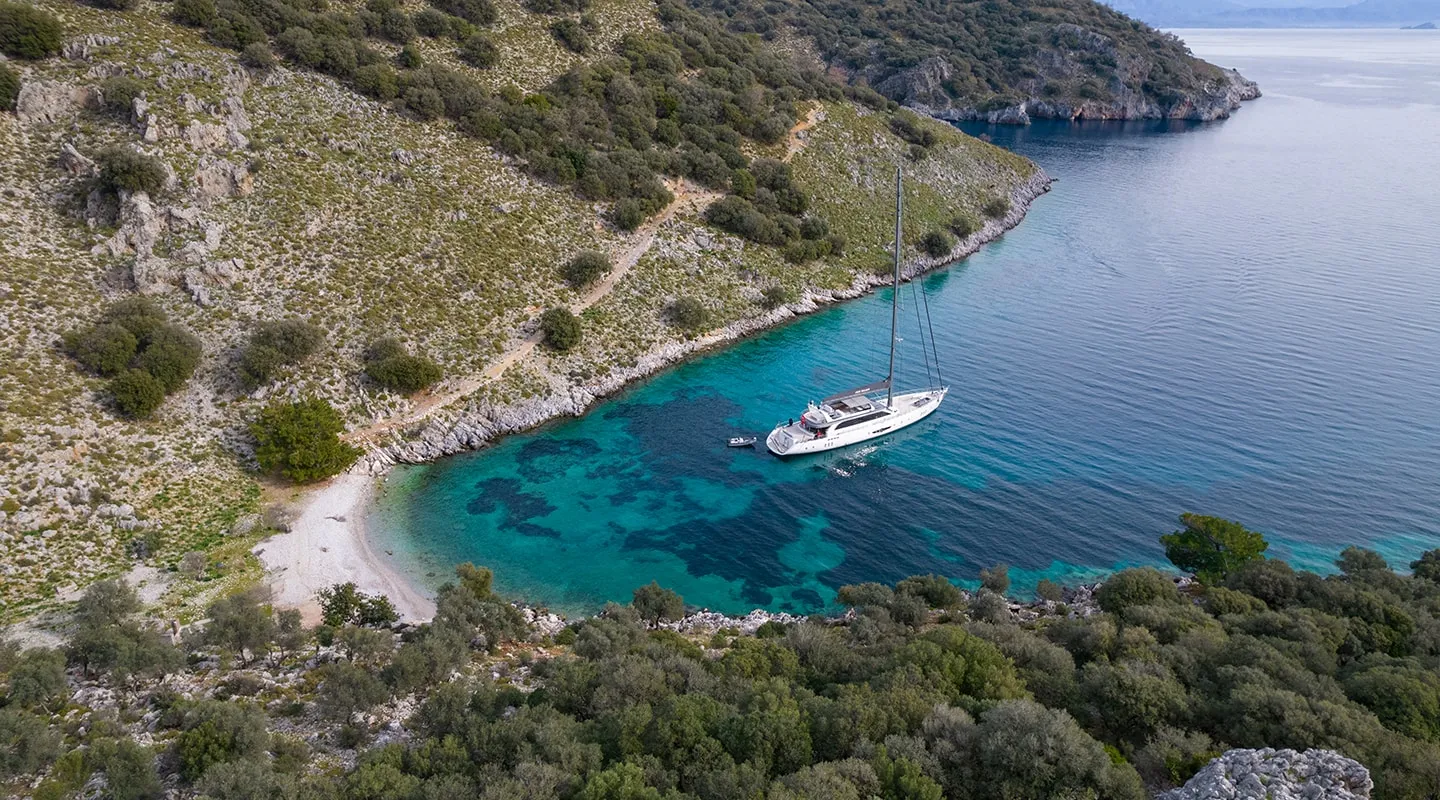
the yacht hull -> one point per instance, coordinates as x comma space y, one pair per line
910, 408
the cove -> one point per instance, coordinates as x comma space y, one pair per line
1240, 319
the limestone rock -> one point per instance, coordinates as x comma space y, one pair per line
76, 163
83, 48
141, 224
201, 282
216, 178
921, 85
1269, 774
153, 275
51, 101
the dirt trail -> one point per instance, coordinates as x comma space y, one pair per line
688, 197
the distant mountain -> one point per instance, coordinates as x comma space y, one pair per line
1295, 14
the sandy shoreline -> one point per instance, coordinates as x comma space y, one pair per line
326, 544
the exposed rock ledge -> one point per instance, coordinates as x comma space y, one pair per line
1277, 775
480, 423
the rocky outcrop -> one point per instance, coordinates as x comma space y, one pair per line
216, 178
1270, 774
52, 101
483, 422
76, 163
85, 47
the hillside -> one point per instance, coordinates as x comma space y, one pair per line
1002, 60
332, 201
1281, 14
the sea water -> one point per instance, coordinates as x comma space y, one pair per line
1239, 318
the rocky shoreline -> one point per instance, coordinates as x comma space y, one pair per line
1197, 108
480, 423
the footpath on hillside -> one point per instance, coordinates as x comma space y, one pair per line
688, 197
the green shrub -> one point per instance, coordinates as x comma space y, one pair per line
383, 348
479, 51
9, 88
137, 393
996, 207
195, 13
216, 732
105, 349
937, 244
740, 217
29, 32
1220, 601
935, 590
688, 314
1143, 586
561, 329
996, 578
275, 345
139, 315
257, 56
30, 746
772, 297
571, 34
37, 678
628, 214
476, 12
424, 103
396, 26
656, 604
963, 225
123, 169
301, 440
170, 354
404, 373
378, 80
1047, 589
908, 126
410, 57
388, 364
119, 93
343, 604
129, 769
433, 23
586, 268
1427, 566
557, 6
116, 5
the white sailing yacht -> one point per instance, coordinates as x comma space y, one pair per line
863, 413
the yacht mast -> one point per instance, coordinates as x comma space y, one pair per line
895, 298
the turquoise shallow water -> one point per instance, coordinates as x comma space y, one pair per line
1240, 318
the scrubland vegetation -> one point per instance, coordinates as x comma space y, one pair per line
925, 691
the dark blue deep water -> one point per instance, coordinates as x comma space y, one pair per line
1240, 318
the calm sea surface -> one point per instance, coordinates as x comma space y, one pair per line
1240, 318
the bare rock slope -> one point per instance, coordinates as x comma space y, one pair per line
1269, 774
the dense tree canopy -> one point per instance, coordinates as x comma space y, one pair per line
913, 694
